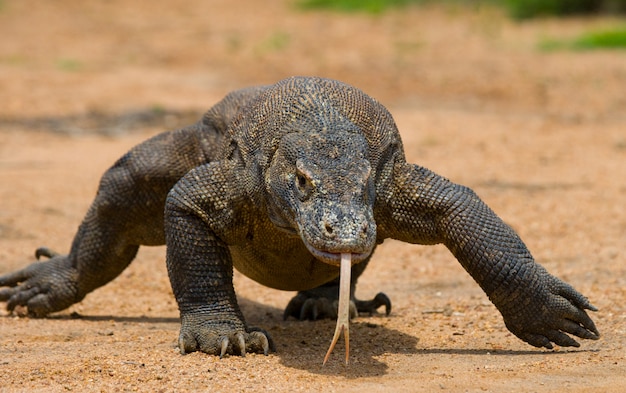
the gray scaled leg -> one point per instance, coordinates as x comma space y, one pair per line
127, 212
322, 302
422, 207
199, 263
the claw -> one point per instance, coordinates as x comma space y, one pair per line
582, 326
537, 340
21, 298
308, 308
181, 345
224, 345
264, 339
266, 345
241, 343
317, 308
574, 297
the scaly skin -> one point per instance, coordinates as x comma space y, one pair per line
278, 182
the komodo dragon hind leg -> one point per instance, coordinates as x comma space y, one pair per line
322, 302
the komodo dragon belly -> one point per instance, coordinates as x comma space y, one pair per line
290, 267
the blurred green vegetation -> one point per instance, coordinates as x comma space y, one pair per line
277, 41
369, 6
519, 9
614, 38
70, 65
523, 9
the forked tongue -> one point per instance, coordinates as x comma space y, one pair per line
343, 315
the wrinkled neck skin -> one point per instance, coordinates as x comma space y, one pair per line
320, 187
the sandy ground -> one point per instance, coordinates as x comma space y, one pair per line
541, 137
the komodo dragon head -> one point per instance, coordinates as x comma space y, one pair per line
323, 191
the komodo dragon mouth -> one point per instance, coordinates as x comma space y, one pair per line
334, 258
329, 257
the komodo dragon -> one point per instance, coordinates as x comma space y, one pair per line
281, 182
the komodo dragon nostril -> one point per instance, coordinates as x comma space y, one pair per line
328, 229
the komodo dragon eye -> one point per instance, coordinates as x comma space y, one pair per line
303, 185
301, 181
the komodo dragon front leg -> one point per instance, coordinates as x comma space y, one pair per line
199, 214
126, 213
537, 307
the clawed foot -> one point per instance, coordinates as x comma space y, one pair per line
313, 305
222, 338
42, 287
559, 311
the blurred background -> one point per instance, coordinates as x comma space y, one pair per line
69, 65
